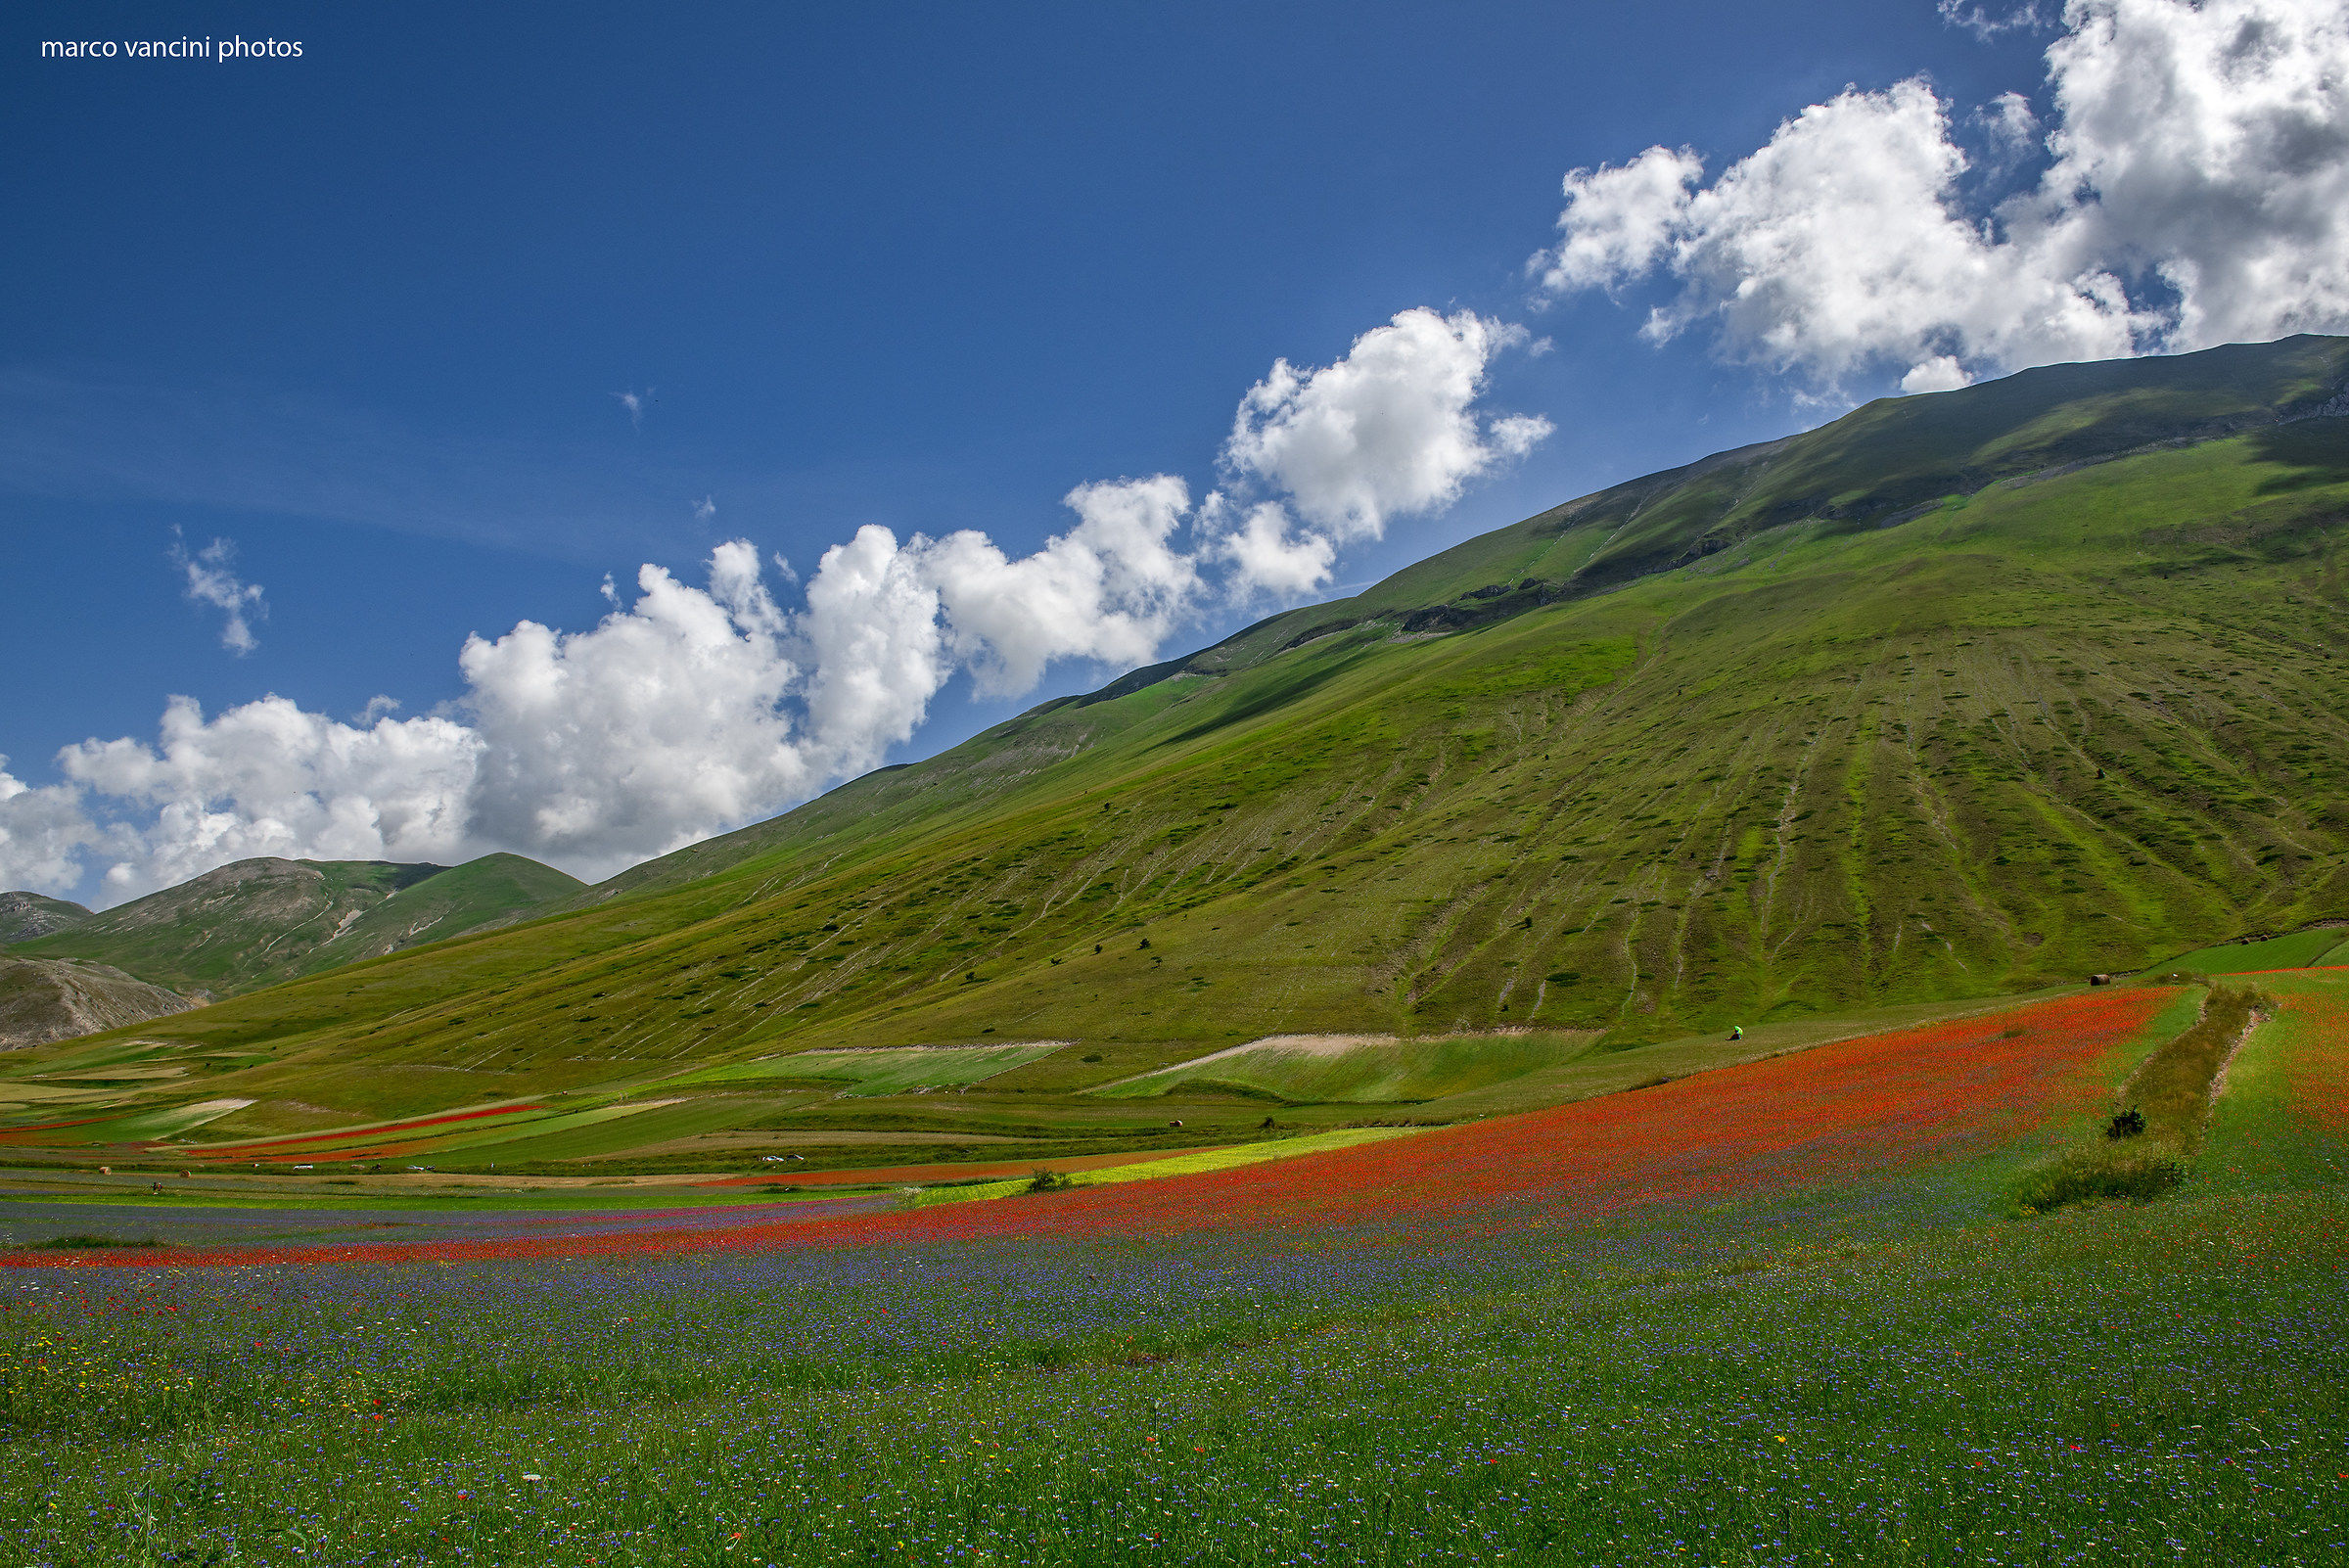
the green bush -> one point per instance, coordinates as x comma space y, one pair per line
2138, 1178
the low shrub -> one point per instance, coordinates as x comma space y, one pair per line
2137, 1177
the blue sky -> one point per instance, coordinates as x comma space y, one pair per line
364, 314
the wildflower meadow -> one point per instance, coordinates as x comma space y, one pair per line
1782, 1312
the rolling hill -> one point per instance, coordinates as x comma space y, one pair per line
27, 915
1961, 695
256, 922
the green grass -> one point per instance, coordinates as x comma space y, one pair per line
1181, 1165
168, 1122
2159, 1384
2261, 1136
2145, 1147
2298, 950
885, 1071
381, 1201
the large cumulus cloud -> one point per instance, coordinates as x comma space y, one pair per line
2195, 191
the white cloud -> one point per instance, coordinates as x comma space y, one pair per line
2210, 143
1108, 589
2011, 123
875, 650
1619, 222
1977, 18
42, 835
1390, 429
635, 402
211, 581
268, 778
2197, 193
704, 509
1271, 554
660, 723
683, 713
1942, 373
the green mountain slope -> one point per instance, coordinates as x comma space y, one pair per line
1961, 694
27, 915
257, 922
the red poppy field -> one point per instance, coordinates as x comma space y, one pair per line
1880, 1102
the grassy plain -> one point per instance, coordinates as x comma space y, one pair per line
1873, 1364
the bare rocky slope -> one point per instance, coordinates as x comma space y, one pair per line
44, 1000
24, 916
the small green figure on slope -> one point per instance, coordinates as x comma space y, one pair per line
1737, 1031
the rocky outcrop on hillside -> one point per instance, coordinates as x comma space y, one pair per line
44, 1000
27, 915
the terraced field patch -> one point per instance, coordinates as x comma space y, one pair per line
2301, 950
1361, 1069
896, 1070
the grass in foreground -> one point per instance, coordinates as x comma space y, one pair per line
2165, 1383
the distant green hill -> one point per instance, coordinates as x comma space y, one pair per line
257, 922
27, 915
1961, 694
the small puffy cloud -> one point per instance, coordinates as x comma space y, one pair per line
1619, 222
1515, 435
2010, 124
1108, 589
1389, 429
43, 833
704, 509
1985, 23
2197, 193
1942, 373
210, 580
635, 402
1269, 554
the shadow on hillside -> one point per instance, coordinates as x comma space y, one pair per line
2316, 450
1276, 693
